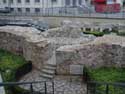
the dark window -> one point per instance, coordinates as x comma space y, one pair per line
19, 9
11, 1
27, 9
18, 1
88, 29
54, 0
74, 2
37, 10
37, 1
80, 2
27, 1
67, 2
12, 9
4, 1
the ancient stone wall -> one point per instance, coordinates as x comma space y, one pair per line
11, 42
91, 55
37, 51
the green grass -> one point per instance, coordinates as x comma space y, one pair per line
107, 74
95, 33
9, 63
111, 75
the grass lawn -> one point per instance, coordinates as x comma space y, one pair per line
9, 63
111, 75
107, 74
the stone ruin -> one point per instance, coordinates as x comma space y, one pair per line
64, 47
64, 50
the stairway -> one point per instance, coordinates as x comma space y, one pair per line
49, 68
48, 71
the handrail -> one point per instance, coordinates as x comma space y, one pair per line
106, 83
9, 84
21, 83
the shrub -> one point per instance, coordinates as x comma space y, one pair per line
106, 31
95, 33
122, 33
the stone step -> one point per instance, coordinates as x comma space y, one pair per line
50, 67
49, 64
48, 76
47, 71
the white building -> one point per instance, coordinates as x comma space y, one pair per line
115, 1
38, 6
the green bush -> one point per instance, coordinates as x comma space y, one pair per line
122, 33
95, 33
106, 31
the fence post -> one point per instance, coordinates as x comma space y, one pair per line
53, 86
95, 84
31, 88
45, 88
87, 89
107, 89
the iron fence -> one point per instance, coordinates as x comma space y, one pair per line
36, 87
105, 88
61, 8
67, 12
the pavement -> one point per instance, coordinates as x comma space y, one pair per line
62, 84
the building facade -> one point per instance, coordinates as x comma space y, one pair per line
38, 6
111, 6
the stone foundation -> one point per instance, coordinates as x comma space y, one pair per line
27, 44
103, 52
72, 52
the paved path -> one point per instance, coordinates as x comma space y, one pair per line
63, 84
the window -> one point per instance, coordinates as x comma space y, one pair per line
67, 2
11, 1
74, 2
27, 9
19, 9
4, 1
53, 1
37, 10
27, 1
80, 2
37, 1
12, 9
18, 1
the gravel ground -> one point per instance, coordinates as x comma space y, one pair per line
63, 84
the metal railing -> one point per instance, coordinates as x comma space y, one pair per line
36, 87
105, 88
61, 8
66, 14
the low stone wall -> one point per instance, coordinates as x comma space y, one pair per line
26, 42
106, 51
